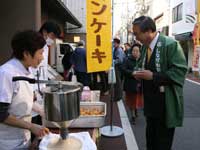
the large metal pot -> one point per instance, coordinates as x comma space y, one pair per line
62, 101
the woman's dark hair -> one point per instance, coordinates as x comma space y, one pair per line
127, 44
145, 23
29, 41
51, 27
135, 45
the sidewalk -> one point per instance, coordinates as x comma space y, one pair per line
192, 77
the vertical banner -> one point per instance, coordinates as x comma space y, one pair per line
99, 45
195, 60
196, 52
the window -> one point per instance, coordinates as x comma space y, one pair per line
177, 13
77, 38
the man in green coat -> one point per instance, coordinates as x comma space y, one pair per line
164, 69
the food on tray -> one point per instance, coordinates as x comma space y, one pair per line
90, 111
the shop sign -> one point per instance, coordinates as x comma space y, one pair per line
99, 44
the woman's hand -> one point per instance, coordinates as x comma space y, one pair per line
38, 130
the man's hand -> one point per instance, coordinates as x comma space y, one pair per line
144, 74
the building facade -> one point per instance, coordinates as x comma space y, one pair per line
78, 8
183, 22
160, 12
176, 18
22, 14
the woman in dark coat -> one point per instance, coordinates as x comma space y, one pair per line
132, 87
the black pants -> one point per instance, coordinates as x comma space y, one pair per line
83, 77
158, 136
118, 89
103, 84
37, 120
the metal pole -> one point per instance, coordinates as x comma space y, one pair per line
111, 107
110, 130
112, 84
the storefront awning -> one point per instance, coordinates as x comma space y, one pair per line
59, 10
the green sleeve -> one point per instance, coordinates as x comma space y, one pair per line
176, 63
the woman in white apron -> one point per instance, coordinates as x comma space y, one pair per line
16, 98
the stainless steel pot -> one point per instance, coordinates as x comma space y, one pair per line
62, 101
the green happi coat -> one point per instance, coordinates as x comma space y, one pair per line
170, 61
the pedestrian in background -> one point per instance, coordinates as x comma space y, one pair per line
118, 57
67, 64
78, 61
132, 87
127, 50
163, 79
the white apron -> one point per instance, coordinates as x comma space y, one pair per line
12, 138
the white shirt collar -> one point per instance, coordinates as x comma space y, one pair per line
20, 66
154, 41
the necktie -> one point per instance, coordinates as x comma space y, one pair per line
148, 54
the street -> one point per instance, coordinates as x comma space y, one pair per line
186, 137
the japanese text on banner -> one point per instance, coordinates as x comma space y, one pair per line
99, 53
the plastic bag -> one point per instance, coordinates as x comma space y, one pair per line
73, 76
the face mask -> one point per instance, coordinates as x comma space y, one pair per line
49, 41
